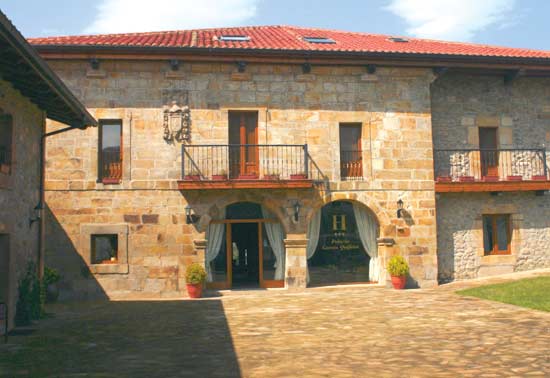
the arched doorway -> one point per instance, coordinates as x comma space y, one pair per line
342, 245
245, 248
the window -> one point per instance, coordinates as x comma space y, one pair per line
110, 152
105, 249
351, 156
234, 38
497, 234
319, 40
6, 135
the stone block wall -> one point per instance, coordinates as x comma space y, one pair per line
462, 103
393, 107
460, 234
19, 190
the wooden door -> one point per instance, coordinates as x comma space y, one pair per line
228, 283
243, 136
351, 156
488, 151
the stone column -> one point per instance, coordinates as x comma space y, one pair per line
200, 251
296, 261
385, 251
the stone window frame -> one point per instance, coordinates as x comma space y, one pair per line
122, 230
361, 126
495, 236
126, 120
6, 178
516, 222
102, 123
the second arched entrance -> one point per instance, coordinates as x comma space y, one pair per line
245, 248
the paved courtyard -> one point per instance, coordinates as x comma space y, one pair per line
342, 332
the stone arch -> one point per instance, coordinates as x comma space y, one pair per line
363, 199
260, 200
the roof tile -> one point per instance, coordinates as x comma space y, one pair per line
290, 38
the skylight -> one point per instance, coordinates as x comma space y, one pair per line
319, 40
398, 39
234, 38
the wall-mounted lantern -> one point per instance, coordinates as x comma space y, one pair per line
241, 66
36, 215
296, 211
190, 218
94, 63
174, 64
399, 208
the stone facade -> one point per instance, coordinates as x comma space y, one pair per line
520, 111
19, 192
393, 107
460, 236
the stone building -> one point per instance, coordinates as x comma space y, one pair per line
29, 92
284, 156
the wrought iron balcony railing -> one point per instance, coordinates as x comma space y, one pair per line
489, 165
351, 165
248, 162
111, 165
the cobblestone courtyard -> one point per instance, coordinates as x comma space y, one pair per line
342, 332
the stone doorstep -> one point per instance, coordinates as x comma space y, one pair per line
494, 270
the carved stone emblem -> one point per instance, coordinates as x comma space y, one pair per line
177, 123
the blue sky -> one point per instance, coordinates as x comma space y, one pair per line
516, 23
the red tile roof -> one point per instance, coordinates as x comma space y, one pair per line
290, 38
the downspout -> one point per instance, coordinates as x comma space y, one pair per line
41, 200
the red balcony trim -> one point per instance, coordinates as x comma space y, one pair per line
487, 186
245, 184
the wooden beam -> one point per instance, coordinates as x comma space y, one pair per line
245, 184
501, 186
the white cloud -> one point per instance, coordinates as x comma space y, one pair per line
456, 20
121, 16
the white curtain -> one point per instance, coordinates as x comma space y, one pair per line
275, 235
313, 236
214, 240
368, 232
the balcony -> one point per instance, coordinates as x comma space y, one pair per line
491, 170
247, 166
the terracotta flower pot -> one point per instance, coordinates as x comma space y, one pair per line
248, 177
52, 293
398, 282
194, 290
219, 177
192, 178
515, 178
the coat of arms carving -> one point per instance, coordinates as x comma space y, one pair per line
177, 123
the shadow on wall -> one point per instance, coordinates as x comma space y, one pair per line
131, 339
77, 282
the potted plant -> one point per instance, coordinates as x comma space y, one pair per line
50, 280
248, 176
194, 175
398, 270
220, 176
195, 276
298, 176
515, 178
271, 175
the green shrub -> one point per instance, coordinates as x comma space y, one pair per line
31, 298
397, 266
195, 274
51, 276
